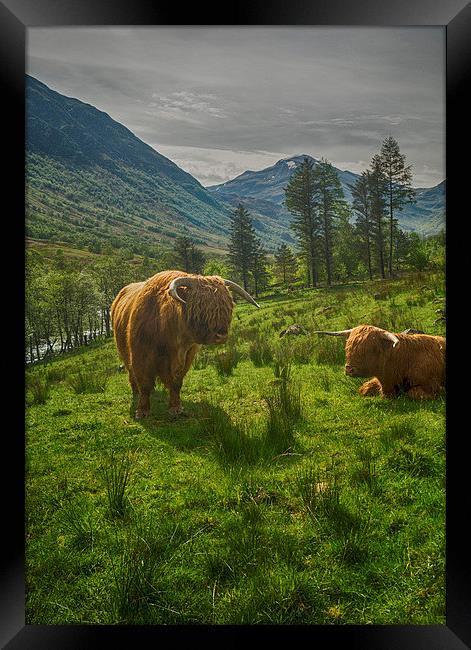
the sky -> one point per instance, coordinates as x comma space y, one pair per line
221, 100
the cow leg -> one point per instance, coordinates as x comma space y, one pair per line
172, 376
133, 382
371, 387
142, 382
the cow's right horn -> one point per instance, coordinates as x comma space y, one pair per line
242, 292
181, 281
339, 333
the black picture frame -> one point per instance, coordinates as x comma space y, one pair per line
18, 15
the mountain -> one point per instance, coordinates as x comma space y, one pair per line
263, 191
92, 182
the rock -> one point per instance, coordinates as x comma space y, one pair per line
294, 329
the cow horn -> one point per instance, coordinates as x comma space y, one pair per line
340, 333
392, 337
181, 281
242, 292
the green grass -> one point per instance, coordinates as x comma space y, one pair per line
281, 496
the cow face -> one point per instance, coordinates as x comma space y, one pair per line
209, 313
366, 350
204, 335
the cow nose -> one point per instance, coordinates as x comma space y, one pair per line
348, 370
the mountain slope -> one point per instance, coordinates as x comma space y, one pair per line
264, 190
90, 181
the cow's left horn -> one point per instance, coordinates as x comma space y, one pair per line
340, 333
181, 281
242, 292
391, 337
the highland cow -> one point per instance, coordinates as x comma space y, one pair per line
413, 364
160, 324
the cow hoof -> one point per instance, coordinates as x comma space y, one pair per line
142, 414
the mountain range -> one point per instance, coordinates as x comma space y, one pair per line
263, 191
91, 182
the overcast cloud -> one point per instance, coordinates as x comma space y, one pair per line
218, 101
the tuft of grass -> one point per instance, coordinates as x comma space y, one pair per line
329, 350
117, 473
87, 380
393, 433
39, 388
286, 393
225, 361
261, 352
77, 521
233, 442
133, 574
319, 491
366, 473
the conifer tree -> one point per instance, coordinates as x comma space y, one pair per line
377, 189
330, 202
242, 245
259, 269
285, 264
399, 191
187, 256
300, 200
364, 226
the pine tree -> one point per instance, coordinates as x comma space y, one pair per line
346, 245
285, 264
300, 200
399, 190
259, 269
362, 207
377, 189
330, 202
186, 256
242, 245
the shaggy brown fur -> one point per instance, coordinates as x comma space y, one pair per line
415, 365
158, 336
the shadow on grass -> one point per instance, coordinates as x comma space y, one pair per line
404, 405
205, 428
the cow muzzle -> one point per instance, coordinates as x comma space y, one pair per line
350, 371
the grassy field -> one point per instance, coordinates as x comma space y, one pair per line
281, 496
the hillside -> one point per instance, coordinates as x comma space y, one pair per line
263, 191
91, 182
240, 511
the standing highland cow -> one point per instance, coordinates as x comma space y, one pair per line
160, 324
412, 363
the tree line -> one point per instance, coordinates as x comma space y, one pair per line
68, 304
336, 241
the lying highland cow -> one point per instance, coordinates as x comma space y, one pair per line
160, 324
410, 363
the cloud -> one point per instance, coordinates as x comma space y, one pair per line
331, 92
187, 106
